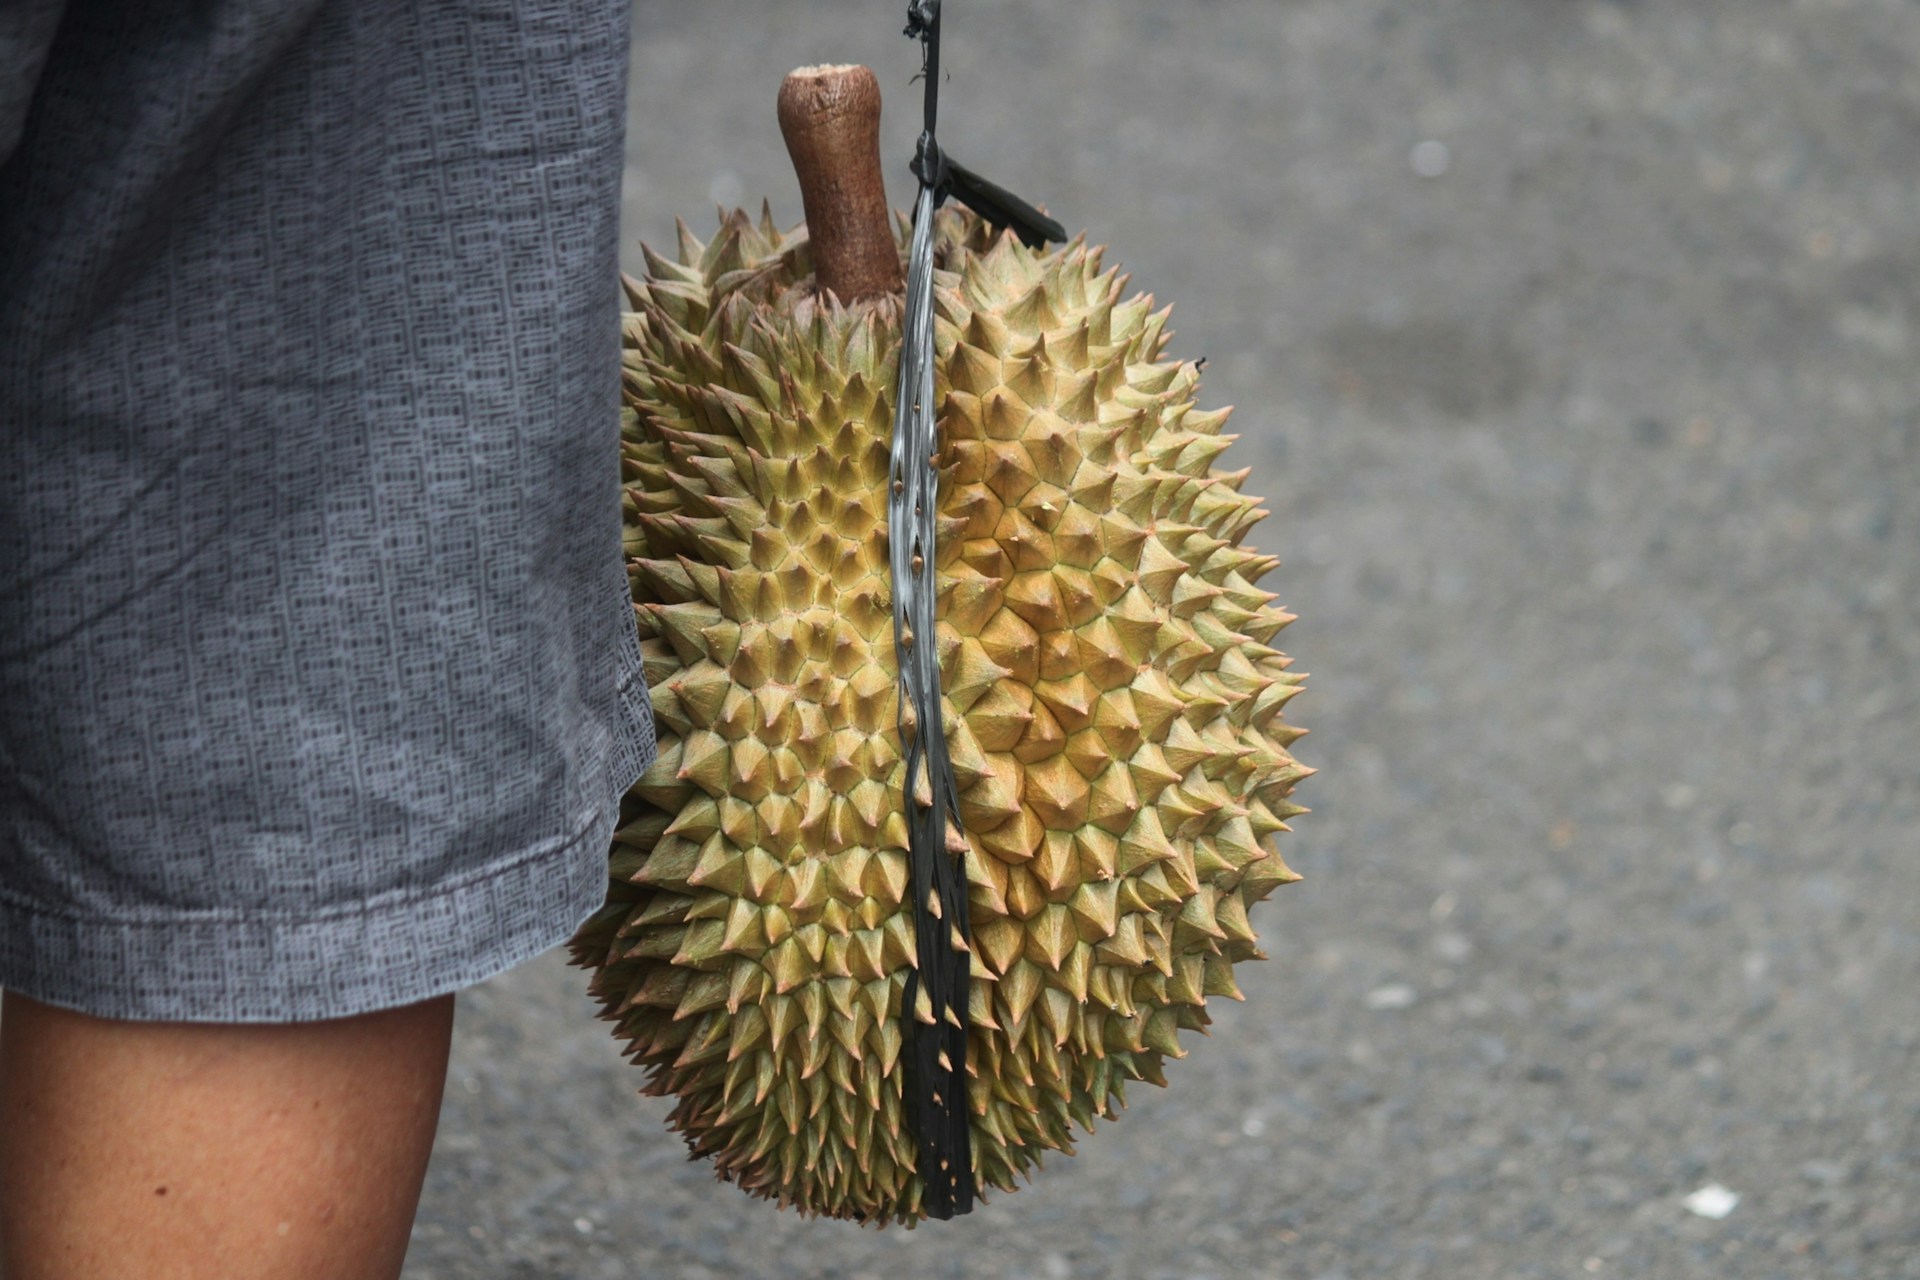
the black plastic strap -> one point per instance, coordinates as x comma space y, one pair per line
934, 1007
1001, 207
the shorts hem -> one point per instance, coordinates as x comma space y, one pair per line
397, 950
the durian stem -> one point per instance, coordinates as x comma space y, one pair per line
830, 117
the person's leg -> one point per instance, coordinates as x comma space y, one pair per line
165, 1150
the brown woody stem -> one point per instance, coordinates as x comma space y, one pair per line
830, 117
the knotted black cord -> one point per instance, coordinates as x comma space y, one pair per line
937, 1049
948, 177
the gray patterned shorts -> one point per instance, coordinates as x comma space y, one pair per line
318, 677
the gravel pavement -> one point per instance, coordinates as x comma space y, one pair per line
1575, 348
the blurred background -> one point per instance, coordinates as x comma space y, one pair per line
1574, 344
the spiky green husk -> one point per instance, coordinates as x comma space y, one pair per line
1111, 700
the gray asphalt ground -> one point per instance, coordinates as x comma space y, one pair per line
1574, 344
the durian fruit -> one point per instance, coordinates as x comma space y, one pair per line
1111, 698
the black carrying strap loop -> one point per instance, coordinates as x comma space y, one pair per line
933, 1010
934, 1005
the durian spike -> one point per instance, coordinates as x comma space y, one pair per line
830, 117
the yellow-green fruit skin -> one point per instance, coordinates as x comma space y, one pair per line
1111, 698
